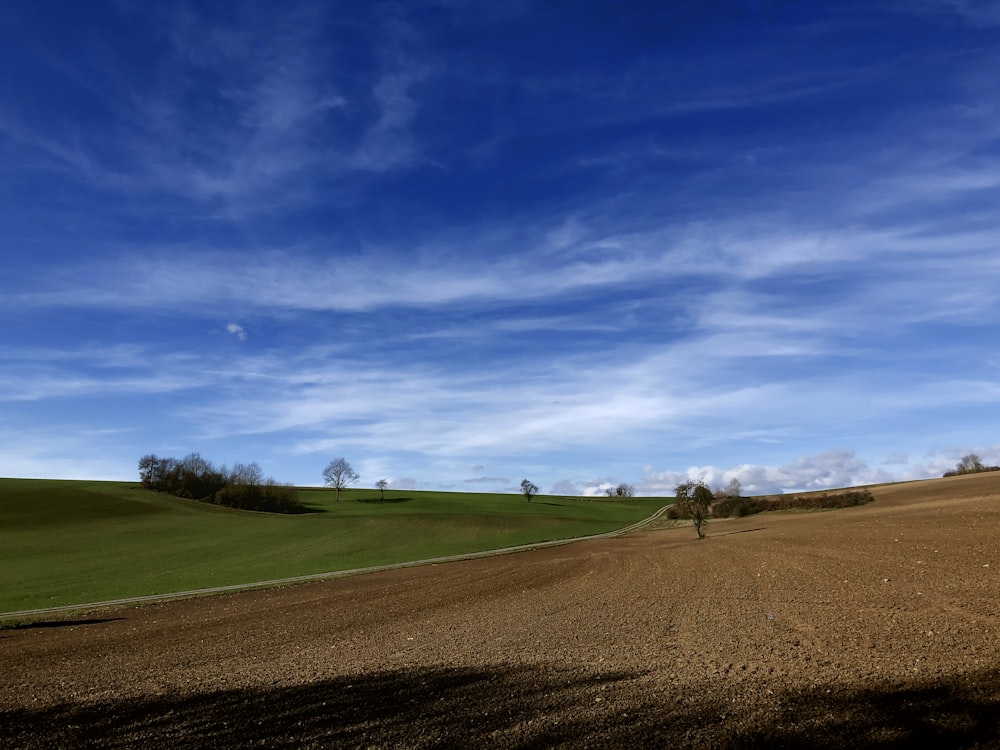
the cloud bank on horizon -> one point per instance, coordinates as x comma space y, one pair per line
461, 244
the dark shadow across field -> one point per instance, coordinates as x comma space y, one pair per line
528, 707
384, 500
58, 623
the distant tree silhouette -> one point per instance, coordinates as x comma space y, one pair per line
622, 490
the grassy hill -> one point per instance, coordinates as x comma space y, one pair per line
68, 542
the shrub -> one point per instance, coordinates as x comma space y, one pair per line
733, 507
957, 473
746, 506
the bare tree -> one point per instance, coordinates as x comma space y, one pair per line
151, 471
695, 500
622, 490
381, 485
734, 489
528, 489
246, 475
970, 464
338, 474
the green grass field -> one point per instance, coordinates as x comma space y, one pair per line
67, 542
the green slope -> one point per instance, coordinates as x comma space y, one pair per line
67, 542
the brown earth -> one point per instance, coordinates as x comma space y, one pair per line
876, 626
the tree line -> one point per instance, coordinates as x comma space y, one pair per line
697, 501
241, 486
970, 464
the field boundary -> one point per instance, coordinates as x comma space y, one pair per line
278, 582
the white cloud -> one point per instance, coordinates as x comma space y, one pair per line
565, 487
829, 470
61, 453
237, 330
597, 487
834, 468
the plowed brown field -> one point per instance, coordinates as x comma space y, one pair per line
876, 626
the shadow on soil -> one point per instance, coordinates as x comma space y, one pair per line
526, 707
57, 623
741, 531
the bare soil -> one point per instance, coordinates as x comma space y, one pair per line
876, 626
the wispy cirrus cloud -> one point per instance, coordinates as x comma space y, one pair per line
406, 206
245, 146
42, 374
981, 13
236, 118
387, 143
571, 404
862, 277
33, 384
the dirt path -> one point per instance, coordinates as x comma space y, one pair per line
876, 626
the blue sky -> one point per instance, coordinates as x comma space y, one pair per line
462, 243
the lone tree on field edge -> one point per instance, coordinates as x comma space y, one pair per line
382, 484
695, 499
338, 474
528, 489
